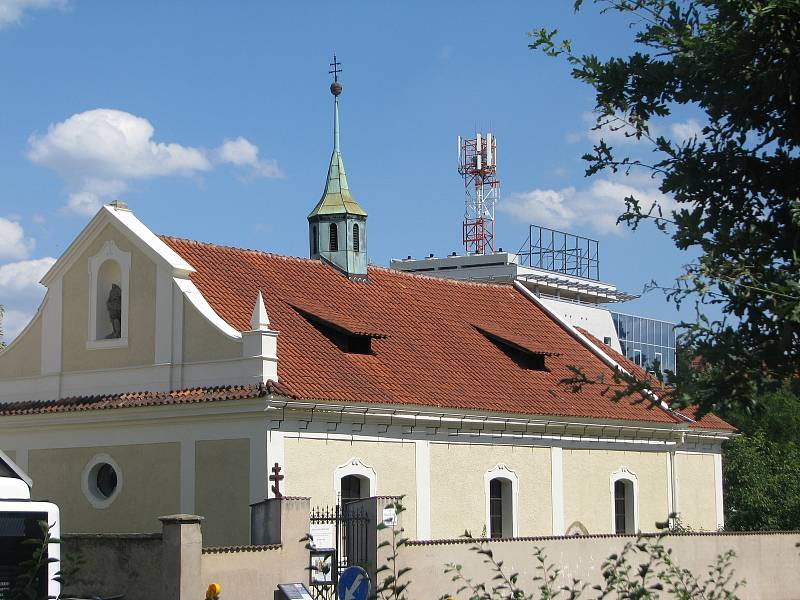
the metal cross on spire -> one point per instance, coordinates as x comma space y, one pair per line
335, 68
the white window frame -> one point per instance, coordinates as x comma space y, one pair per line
109, 251
89, 486
501, 471
625, 474
355, 466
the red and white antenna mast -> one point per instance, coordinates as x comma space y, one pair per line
477, 164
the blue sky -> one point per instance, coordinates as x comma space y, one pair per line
213, 121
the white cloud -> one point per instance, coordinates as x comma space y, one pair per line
22, 277
11, 11
112, 144
13, 243
596, 207
243, 153
98, 152
20, 292
13, 322
686, 130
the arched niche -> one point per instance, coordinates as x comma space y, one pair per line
109, 282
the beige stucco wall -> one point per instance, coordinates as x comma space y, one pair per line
587, 487
202, 341
768, 563
222, 490
310, 466
150, 486
10, 453
696, 492
141, 318
23, 358
458, 497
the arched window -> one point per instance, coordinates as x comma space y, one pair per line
354, 480
500, 508
354, 487
333, 237
624, 502
501, 502
314, 242
356, 241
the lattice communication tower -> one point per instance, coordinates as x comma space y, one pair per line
477, 164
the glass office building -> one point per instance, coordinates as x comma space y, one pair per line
645, 341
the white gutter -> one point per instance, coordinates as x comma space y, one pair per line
589, 344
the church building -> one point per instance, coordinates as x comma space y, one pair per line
164, 375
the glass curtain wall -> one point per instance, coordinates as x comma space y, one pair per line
646, 342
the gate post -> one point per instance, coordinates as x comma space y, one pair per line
182, 558
373, 509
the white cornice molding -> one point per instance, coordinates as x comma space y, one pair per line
126, 223
280, 409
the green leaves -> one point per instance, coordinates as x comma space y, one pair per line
736, 187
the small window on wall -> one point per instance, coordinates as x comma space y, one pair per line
356, 241
496, 508
109, 272
624, 489
501, 504
102, 481
314, 241
333, 237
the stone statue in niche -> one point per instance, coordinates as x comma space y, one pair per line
114, 306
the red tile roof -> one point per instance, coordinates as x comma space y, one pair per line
431, 355
140, 399
707, 421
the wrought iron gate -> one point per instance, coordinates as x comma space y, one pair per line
350, 525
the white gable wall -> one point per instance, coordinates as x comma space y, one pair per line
172, 338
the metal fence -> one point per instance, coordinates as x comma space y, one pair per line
350, 535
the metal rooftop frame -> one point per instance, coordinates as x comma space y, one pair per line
561, 252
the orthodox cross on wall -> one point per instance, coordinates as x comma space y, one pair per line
276, 478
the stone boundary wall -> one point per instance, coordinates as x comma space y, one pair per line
173, 565
768, 561
110, 564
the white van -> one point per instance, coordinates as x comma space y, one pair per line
21, 519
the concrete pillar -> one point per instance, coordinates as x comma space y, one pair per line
182, 542
373, 507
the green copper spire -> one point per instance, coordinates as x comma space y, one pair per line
336, 198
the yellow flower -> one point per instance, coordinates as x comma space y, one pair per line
213, 591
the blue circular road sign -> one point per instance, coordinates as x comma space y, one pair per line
354, 584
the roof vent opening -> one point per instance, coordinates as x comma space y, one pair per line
519, 350
524, 360
346, 334
344, 340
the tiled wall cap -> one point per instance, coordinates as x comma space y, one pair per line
181, 519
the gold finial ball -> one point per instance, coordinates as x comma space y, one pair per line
336, 88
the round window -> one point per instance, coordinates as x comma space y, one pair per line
102, 481
106, 480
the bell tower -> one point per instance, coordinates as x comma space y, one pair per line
337, 226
